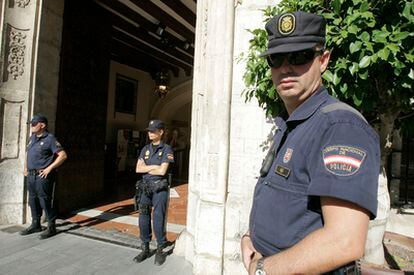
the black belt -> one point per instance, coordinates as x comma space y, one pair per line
33, 172
351, 269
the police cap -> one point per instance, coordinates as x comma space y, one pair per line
155, 124
38, 118
296, 31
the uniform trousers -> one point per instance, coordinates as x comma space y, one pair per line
41, 196
159, 201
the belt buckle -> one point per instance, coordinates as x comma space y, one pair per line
350, 270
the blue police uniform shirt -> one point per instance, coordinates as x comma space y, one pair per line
41, 151
333, 154
156, 155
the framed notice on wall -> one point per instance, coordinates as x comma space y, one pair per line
126, 90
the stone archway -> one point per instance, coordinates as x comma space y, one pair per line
179, 96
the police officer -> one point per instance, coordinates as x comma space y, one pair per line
318, 184
153, 162
44, 154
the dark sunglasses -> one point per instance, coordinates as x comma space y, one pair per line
34, 124
294, 58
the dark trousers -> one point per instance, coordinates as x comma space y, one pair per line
41, 195
159, 201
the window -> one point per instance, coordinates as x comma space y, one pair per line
126, 90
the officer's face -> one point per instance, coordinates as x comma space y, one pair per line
37, 127
155, 135
296, 83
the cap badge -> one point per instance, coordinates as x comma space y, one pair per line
286, 24
151, 122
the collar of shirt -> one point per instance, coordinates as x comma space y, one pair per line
156, 147
307, 108
37, 138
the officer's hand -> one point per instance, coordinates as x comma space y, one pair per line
248, 251
253, 263
44, 172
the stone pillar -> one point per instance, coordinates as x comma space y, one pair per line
210, 136
19, 30
227, 138
30, 31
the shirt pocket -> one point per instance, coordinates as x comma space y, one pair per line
280, 213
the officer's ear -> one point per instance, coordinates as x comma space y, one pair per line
161, 131
324, 60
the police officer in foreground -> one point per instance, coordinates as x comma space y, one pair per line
153, 163
44, 155
318, 185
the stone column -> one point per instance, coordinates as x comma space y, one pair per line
30, 31
19, 30
210, 136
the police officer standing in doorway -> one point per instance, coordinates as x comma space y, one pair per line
153, 163
318, 185
44, 154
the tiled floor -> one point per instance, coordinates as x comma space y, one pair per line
120, 214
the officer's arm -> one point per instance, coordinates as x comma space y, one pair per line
61, 157
340, 241
160, 170
143, 168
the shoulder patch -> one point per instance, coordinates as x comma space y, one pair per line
343, 160
170, 156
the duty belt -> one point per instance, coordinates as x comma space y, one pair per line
33, 172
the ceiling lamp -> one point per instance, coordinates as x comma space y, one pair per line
161, 83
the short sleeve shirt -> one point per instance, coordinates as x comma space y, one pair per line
41, 151
333, 154
156, 155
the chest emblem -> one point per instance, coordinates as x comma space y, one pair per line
41, 143
282, 171
147, 153
159, 154
343, 160
288, 155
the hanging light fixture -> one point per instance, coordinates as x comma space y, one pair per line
161, 83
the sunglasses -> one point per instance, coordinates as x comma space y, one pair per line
294, 58
34, 124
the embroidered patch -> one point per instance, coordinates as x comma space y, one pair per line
286, 24
288, 155
170, 156
343, 160
147, 153
160, 153
58, 145
41, 143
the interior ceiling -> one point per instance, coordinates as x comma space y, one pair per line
152, 35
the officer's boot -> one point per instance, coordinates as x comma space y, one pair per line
33, 228
160, 255
50, 231
145, 253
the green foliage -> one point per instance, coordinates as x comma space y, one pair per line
372, 60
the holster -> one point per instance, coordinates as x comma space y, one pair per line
138, 193
159, 185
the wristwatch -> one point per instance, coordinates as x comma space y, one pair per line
260, 267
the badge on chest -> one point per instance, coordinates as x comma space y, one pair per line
282, 171
147, 153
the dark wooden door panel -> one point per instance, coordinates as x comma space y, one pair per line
82, 103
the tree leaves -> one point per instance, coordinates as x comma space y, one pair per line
373, 54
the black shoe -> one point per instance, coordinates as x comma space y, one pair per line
145, 253
160, 257
50, 231
33, 228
